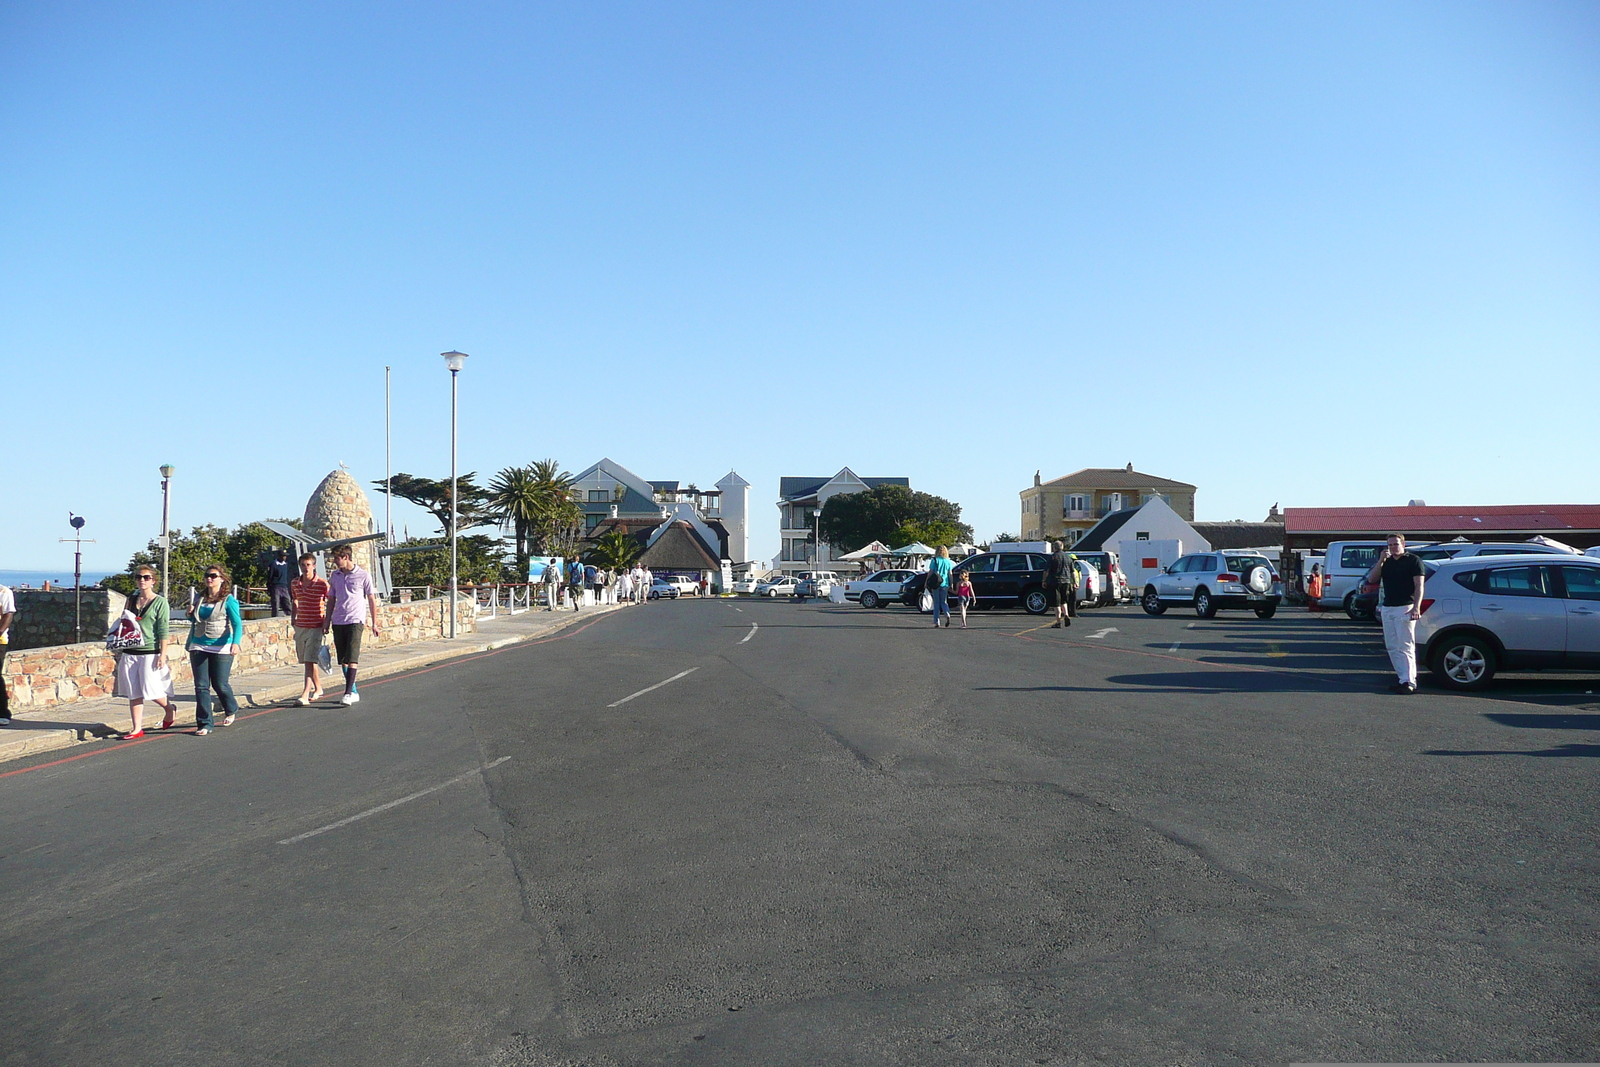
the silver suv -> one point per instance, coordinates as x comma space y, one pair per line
1213, 580
1484, 614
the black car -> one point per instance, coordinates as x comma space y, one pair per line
999, 580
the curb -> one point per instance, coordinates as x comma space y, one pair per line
37, 741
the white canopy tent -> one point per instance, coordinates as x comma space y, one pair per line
877, 548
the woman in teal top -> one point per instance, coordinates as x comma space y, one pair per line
939, 568
214, 637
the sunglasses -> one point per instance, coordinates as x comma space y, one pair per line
211, 576
147, 578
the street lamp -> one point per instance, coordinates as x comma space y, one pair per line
455, 361
166, 511
77, 539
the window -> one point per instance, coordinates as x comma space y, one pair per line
1013, 561
1142, 535
1038, 563
599, 495
1583, 583
1358, 557
1517, 581
1075, 502
591, 521
983, 564
1240, 564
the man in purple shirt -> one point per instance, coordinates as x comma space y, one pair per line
355, 601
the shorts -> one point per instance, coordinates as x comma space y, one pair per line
347, 643
308, 643
1060, 595
138, 679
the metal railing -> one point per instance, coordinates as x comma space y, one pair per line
511, 597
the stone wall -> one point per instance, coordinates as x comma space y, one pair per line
42, 677
46, 618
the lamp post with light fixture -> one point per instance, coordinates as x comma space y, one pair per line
166, 537
455, 361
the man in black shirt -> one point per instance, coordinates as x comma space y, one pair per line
1060, 583
1399, 606
278, 579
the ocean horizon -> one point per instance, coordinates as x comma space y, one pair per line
36, 579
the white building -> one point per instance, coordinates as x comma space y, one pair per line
800, 500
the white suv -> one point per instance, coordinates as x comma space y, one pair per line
1212, 580
1483, 614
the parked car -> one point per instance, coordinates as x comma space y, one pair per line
1115, 588
1211, 581
1000, 579
877, 590
661, 589
1364, 604
1486, 614
747, 584
780, 585
685, 585
1091, 585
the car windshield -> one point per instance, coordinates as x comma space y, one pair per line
1244, 563
1359, 557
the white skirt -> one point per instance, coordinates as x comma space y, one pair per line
138, 679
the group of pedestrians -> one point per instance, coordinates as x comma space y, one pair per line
343, 604
1061, 587
578, 582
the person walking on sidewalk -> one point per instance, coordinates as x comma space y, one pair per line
552, 585
575, 584
310, 621
1400, 606
215, 634
8, 611
355, 602
142, 671
1061, 584
939, 568
278, 595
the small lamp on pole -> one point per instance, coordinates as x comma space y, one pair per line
455, 361
166, 512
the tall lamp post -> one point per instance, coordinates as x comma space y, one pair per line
166, 513
455, 361
77, 572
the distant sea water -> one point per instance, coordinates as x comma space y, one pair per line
36, 579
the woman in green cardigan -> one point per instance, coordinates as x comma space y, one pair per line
142, 672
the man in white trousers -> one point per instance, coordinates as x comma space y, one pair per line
1399, 606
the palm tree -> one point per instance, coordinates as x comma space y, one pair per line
557, 516
615, 551
515, 496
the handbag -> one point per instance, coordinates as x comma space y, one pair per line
125, 633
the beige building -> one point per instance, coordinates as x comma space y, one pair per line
1066, 507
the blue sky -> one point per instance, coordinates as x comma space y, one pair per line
1306, 254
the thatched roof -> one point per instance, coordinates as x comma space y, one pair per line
679, 548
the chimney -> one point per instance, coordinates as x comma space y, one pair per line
1035, 477
1416, 503
1130, 466
613, 511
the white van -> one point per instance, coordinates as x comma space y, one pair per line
1346, 563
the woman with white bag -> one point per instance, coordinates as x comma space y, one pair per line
142, 671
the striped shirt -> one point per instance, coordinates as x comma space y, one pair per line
309, 595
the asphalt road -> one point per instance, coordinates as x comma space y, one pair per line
835, 836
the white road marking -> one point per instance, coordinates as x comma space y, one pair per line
1101, 633
1191, 626
739, 610
753, 628
392, 804
1175, 645
658, 685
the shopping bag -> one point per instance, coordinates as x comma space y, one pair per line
325, 657
125, 633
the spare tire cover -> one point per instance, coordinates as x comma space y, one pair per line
1258, 579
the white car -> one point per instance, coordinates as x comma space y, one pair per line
747, 585
782, 585
685, 586
1483, 614
1090, 585
661, 589
877, 590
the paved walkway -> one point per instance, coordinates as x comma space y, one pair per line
91, 720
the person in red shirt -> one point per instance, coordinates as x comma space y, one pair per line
310, 598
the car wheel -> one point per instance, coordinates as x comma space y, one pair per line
1267, 612
1352, 610
869, 599
1204, 606
1035, 602
654, 595
1152, 603
1464, 662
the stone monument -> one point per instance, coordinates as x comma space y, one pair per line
339, 508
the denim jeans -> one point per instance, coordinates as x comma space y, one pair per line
941, 604
211, 670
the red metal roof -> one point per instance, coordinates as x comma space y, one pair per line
1501, 518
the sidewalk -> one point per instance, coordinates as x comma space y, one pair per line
91, 720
